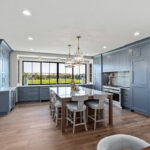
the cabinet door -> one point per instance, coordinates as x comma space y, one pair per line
44, 93
115, 62
97, 73
107, 63
26, 94
4, 102
0, 67
139, 86
125, 60
126, 98
5, 66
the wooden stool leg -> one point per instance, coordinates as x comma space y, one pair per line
95, 115
81, 117
56, 115
66, 117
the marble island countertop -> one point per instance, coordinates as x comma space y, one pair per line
65, 92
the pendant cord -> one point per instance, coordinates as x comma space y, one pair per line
69, 49
78, 37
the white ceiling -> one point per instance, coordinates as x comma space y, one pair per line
55, 23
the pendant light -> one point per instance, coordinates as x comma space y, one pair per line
78, 55
69, 61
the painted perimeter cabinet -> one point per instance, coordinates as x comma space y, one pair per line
97, 72
4, 64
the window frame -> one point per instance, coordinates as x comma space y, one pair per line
57, 73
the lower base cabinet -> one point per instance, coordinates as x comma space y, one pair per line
28, 94
90, 86
7, 100
38, 93
126, 98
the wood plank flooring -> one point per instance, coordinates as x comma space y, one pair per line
30, 127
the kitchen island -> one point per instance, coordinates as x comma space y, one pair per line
65, 94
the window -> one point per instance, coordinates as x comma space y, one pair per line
27, 74
80, 74
36, 73
45, 73
53, 73
65, 74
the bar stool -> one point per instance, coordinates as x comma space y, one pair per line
96, 104
77, 105
55, 106
58, 106
51, 102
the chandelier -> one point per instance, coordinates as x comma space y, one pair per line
78, 55
69, 61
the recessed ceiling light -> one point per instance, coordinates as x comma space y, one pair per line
30, 38
26, 12
136, 34
104, 47
31, 49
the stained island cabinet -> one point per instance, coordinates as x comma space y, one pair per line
7, 94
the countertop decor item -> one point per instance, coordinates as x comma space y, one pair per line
73, 86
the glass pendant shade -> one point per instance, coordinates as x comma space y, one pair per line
78, 58
78, 55
69, 60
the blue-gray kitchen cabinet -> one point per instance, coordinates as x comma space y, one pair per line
29, 94
115, 61
44, 93
4, 64
126, 98
7, 100
97, 72
0, 67
107, 62
90, 86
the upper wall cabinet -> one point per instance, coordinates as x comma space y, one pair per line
4, 64
117, 61
140, 50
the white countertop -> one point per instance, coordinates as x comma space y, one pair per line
65, 92
7, 89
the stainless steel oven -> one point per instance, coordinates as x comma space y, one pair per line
116, 91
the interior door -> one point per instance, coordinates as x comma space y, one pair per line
140, 86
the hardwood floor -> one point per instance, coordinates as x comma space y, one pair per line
30, 127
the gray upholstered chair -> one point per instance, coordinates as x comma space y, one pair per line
51, 102
55, 106
96, 104
77, 105
58, 106
121, 141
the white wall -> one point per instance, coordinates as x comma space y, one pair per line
16, 71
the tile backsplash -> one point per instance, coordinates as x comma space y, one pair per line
122, 78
